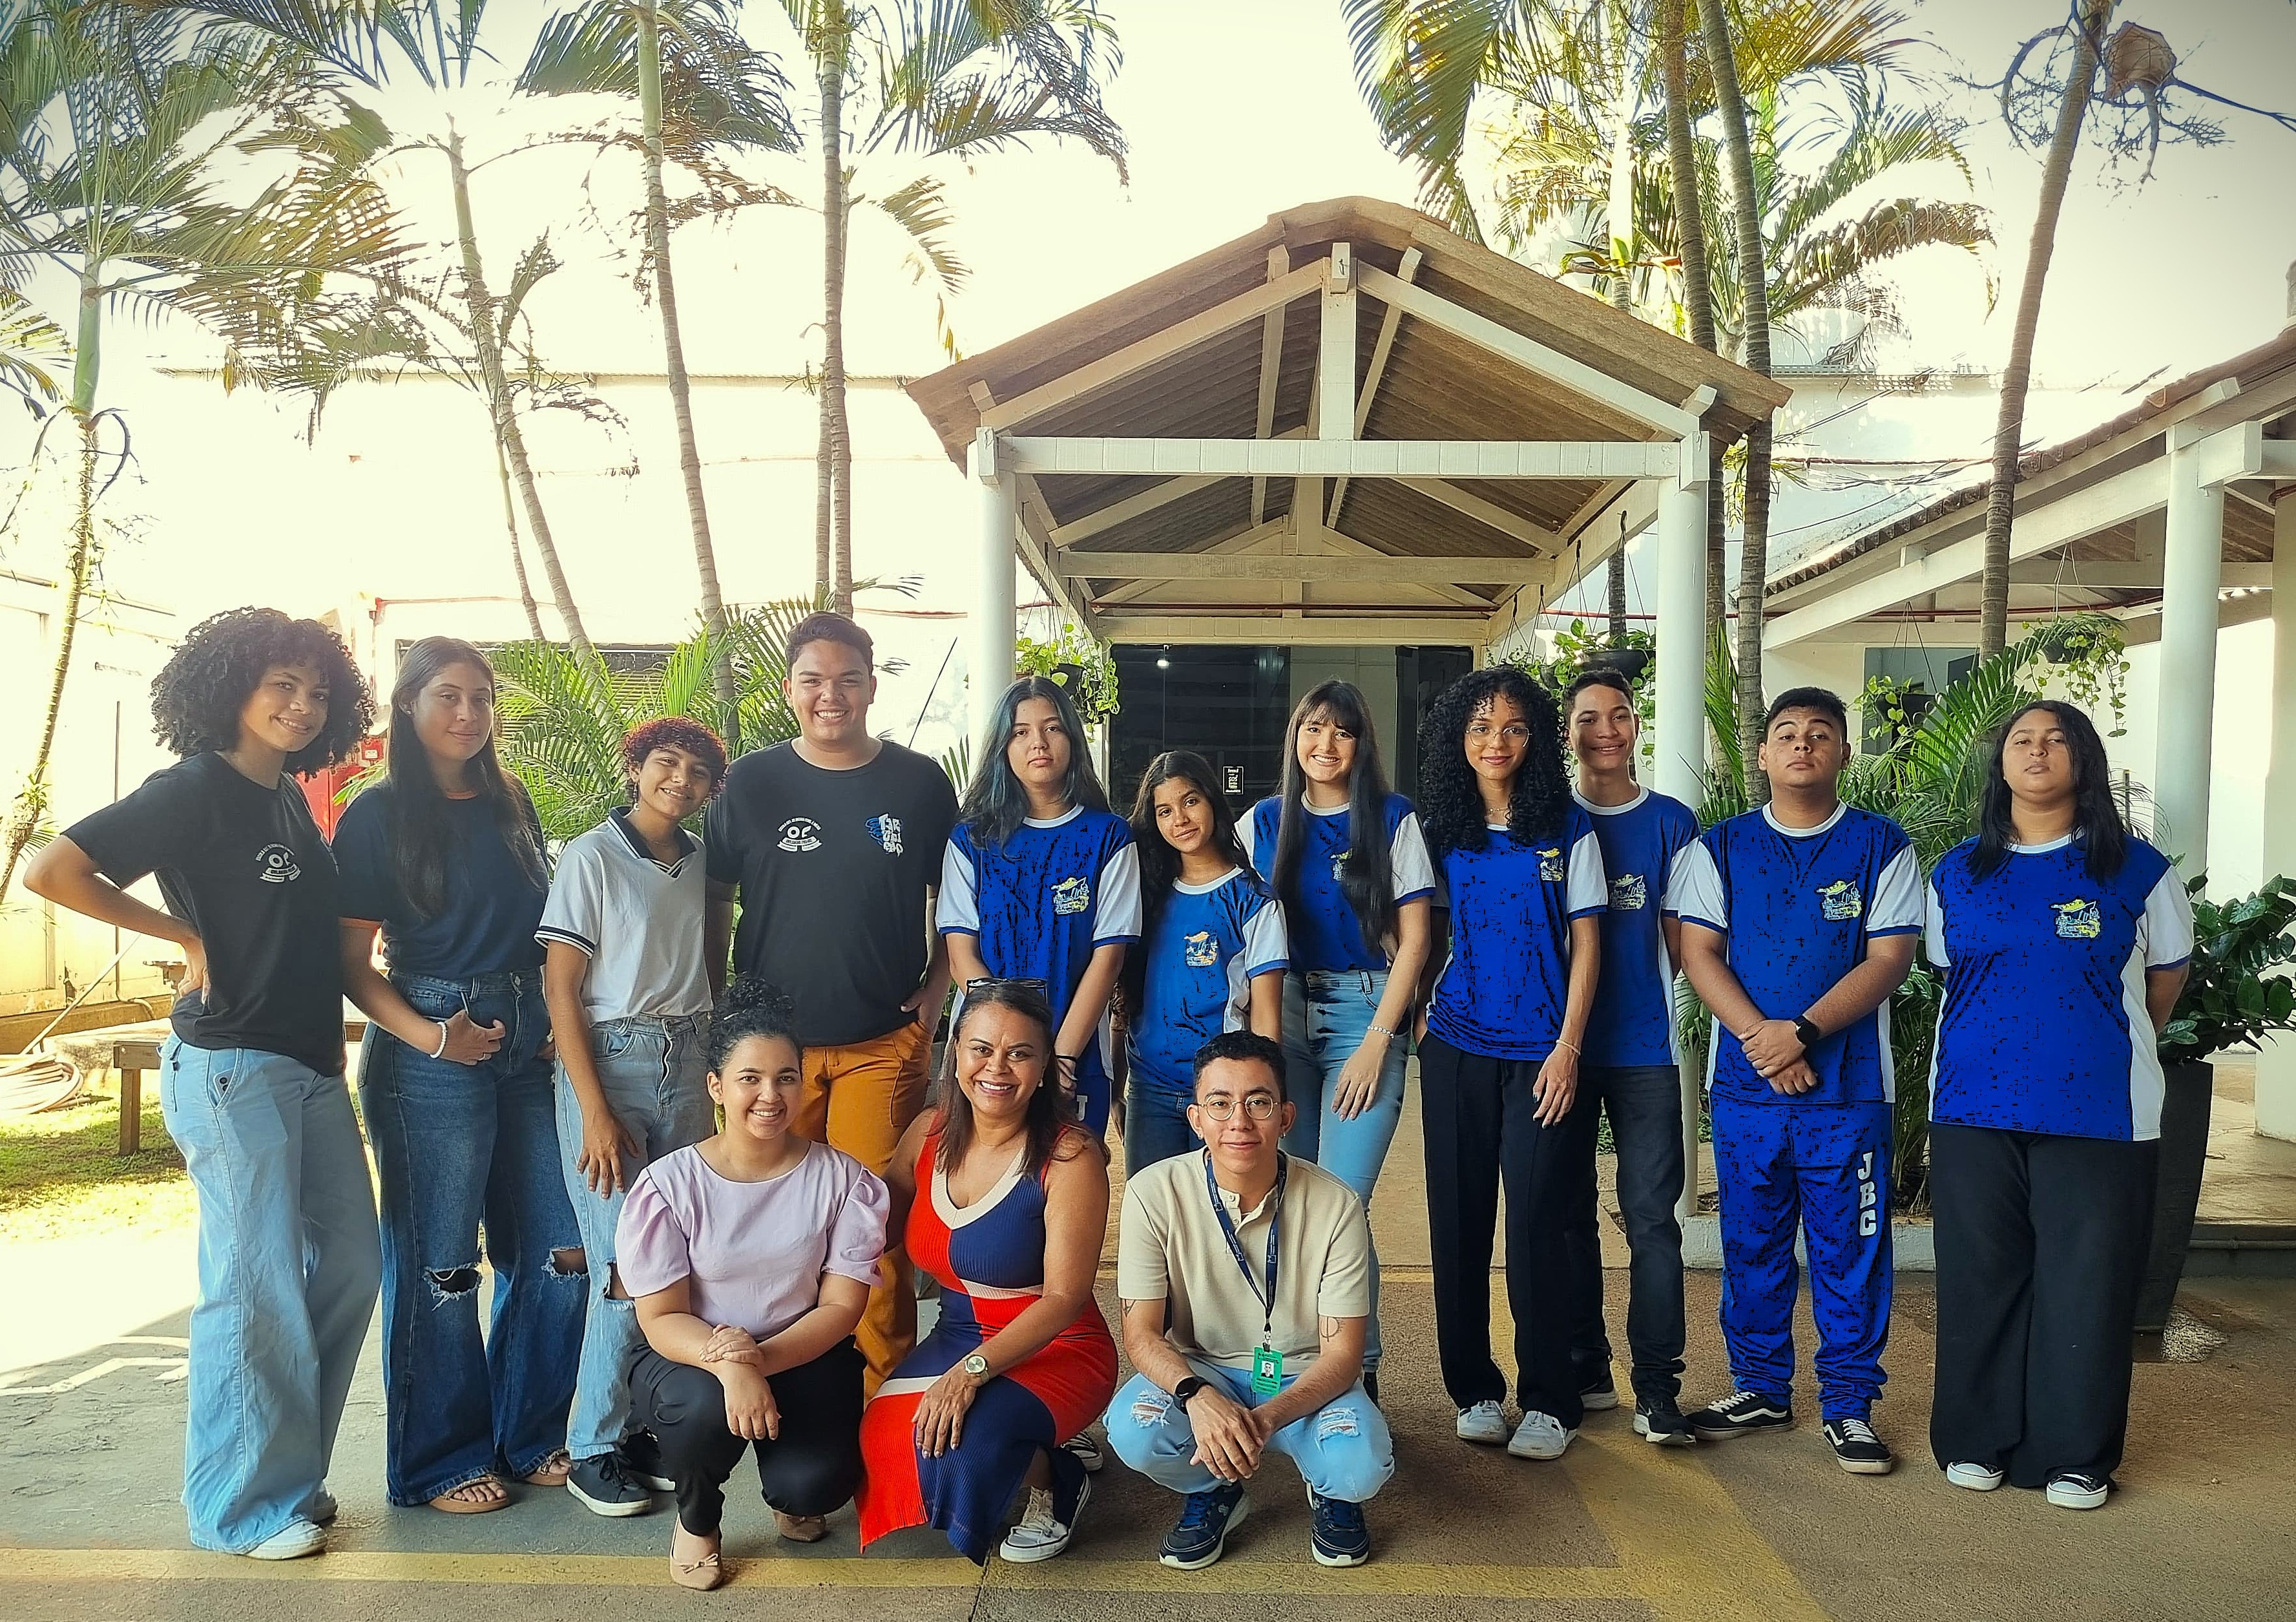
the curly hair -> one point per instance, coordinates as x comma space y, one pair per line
1450, 799
198, 695
751, 1006
674, 732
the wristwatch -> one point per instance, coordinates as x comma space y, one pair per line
1186, 1390
976, 1366
1805, 1033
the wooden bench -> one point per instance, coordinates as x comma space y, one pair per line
131, 1050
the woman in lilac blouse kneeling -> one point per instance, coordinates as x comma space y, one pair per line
750, 1255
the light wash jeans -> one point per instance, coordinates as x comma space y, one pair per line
1343, 1449
458, 1147
1155, 1124
289, 1267
655, 1074
1327, 1013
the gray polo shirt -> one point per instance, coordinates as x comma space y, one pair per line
638, 920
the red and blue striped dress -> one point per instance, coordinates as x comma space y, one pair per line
989, 1259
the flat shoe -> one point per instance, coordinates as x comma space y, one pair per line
447, 1503
704, 1574
802, 1528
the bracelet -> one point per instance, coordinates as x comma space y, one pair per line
1383, 1030
1564, 1041
440, 1050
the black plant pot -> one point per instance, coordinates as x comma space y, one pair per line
2177, 1188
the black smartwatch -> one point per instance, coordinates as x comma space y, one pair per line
1805, 1033
1186, 1390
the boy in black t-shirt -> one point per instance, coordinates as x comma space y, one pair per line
251, 1080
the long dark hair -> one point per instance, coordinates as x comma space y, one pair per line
1160, 863
994, 804
421, 838
1366, 878
2096, 814
1048, 1127
1451, 800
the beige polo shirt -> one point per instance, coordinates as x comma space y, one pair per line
1170, 1249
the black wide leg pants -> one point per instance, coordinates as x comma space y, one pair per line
2041, 1242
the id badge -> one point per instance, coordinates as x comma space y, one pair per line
1266, 1372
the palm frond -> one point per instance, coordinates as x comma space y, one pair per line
32, 350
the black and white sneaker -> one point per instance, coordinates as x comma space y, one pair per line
1857, 1449
2075, 1490
1741, 1413
1199, 1536
1659, 1421
642, 1458
1336, 1535
606, 1487
1599, 1395
1084, 1448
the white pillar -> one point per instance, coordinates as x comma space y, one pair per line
2275, 1067
2192, 570
1681, 755
989, 660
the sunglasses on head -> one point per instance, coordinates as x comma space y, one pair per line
1043, 988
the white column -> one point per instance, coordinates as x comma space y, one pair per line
989, 654
2275, 1067
1681, 754
2192, 570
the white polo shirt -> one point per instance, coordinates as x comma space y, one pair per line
638, 920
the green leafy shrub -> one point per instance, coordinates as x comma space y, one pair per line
2239, 991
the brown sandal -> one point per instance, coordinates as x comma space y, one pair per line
452, 1503
552, 1472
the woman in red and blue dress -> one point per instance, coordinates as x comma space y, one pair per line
1007, 1206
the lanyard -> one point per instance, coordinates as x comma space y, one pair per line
1235, 1245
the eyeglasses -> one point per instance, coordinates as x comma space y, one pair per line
989, 983
1514, 732
1258, 1105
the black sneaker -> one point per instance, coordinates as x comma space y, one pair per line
1598, 1396
1199, 1536
1741, 1413
1659, 1421
1084, 1448
1371, 1385
606, 1487
1857, 1449
2079, 1490
642, 1458
1338, 1536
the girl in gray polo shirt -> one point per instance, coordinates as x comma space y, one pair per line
629, 1001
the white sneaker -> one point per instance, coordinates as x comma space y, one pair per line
1540, 1436
1040, 1535
1976, 1478
2072, 1491
1484, 1424
292, 1542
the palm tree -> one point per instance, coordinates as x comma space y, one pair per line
1697, 299
112, 121
925, 79
700, 86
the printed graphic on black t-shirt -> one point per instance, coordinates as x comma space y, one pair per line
833, 869
246, 866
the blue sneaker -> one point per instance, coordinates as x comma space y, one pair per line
1339, 1537
1206, 1519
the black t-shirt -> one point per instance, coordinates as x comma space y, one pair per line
833, 869
493, 903
246, 866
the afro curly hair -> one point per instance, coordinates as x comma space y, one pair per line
198, 695
1451, 800
674, 732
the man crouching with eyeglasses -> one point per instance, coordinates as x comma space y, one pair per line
1246, 1277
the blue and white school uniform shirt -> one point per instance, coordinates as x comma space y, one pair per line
1046, 900
2043, 1027
1798, 905
1633, 1021
1208, 945
1504, 987
1324, 932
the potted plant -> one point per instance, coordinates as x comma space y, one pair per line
2236, 994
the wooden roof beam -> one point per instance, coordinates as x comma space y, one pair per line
1270, 626
1380, 349
1373, 569
1488, 513
1314, 457
1271, 367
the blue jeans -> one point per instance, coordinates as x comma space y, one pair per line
1645, 1103
655, 1075
457, 1145
1327, 1013
1343, 1449
287, 1271
1155, 1124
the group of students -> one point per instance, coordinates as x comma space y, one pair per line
701, 1199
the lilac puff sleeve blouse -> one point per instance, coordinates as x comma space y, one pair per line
755, 1252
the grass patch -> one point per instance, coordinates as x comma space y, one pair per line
61, 1174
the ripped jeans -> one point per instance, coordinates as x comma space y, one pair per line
456, 1147
1343, 1449
655, 1076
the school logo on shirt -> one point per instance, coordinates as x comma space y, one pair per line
1840, 902
800, 834
1550, 864
2079, 920
274, 864
1202, 950
1340, 867
886, 831
1629, 894
1071, 895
